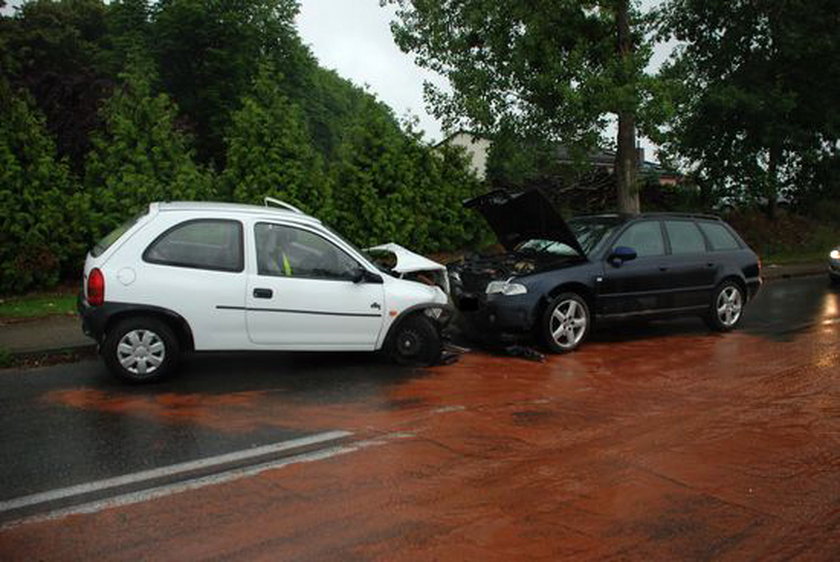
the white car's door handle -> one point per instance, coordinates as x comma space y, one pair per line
263, 293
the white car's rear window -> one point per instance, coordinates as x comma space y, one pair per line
106, 241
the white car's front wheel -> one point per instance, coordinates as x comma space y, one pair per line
416, 341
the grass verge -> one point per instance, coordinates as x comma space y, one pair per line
37, 305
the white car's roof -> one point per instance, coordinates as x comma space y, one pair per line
232, 208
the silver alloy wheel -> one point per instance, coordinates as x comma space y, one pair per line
729, 305
141, 352
568, 324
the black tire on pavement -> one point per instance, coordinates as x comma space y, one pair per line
415, 342
566, 322
141, 349
727, 307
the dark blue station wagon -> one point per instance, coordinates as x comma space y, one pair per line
556, 277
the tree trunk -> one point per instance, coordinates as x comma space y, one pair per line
628, 192
626, 159
771, 191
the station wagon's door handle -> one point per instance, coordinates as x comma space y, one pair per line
263, 293
663, 268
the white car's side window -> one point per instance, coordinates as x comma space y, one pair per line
214, 244
285, 251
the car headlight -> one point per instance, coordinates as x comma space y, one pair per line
835, 254
505, 288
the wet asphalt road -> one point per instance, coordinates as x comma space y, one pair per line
653, 441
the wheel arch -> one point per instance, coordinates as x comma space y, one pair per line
570, 287
738, 280
175, 321
447, 311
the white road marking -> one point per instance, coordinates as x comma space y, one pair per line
172, 470
220, 478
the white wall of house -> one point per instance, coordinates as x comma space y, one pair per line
477, 149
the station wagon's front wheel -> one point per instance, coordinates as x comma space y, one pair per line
726, 308
141, 349
565, 323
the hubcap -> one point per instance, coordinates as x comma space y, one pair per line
141, 352
729, 305
568, 324
408, 343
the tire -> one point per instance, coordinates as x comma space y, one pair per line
415, 342
727, 307
141, 349
835, 279
565, 323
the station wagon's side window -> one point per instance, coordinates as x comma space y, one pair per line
214, 244
285, 251
685, 237
645, 237
719, 237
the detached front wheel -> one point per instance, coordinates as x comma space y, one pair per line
416, 341
141, 349
565, 323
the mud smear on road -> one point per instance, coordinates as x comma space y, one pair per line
221, 412
677, 447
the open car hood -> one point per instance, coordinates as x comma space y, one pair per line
408, 261
409, 265
517, 217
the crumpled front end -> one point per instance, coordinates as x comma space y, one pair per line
405, 264
491, 303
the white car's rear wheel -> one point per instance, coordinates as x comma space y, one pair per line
141, 349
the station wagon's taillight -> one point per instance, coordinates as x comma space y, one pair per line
96, 287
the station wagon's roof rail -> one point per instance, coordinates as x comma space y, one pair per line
683, 215
269, 201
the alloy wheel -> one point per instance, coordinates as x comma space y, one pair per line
568, 324
729, 305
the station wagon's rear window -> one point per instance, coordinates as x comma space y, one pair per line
684, 237
214, 244
719, 236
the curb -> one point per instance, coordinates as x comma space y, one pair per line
805, 271
51, 356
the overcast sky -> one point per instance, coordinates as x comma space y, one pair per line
353, 37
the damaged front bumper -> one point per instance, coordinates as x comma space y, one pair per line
496, 318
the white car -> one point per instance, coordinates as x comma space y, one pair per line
191, 276
834, 265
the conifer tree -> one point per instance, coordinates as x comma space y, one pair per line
36, 197
140, 156
269, 152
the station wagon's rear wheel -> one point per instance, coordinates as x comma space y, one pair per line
141, 349
416, 341
726, 308
565, 323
